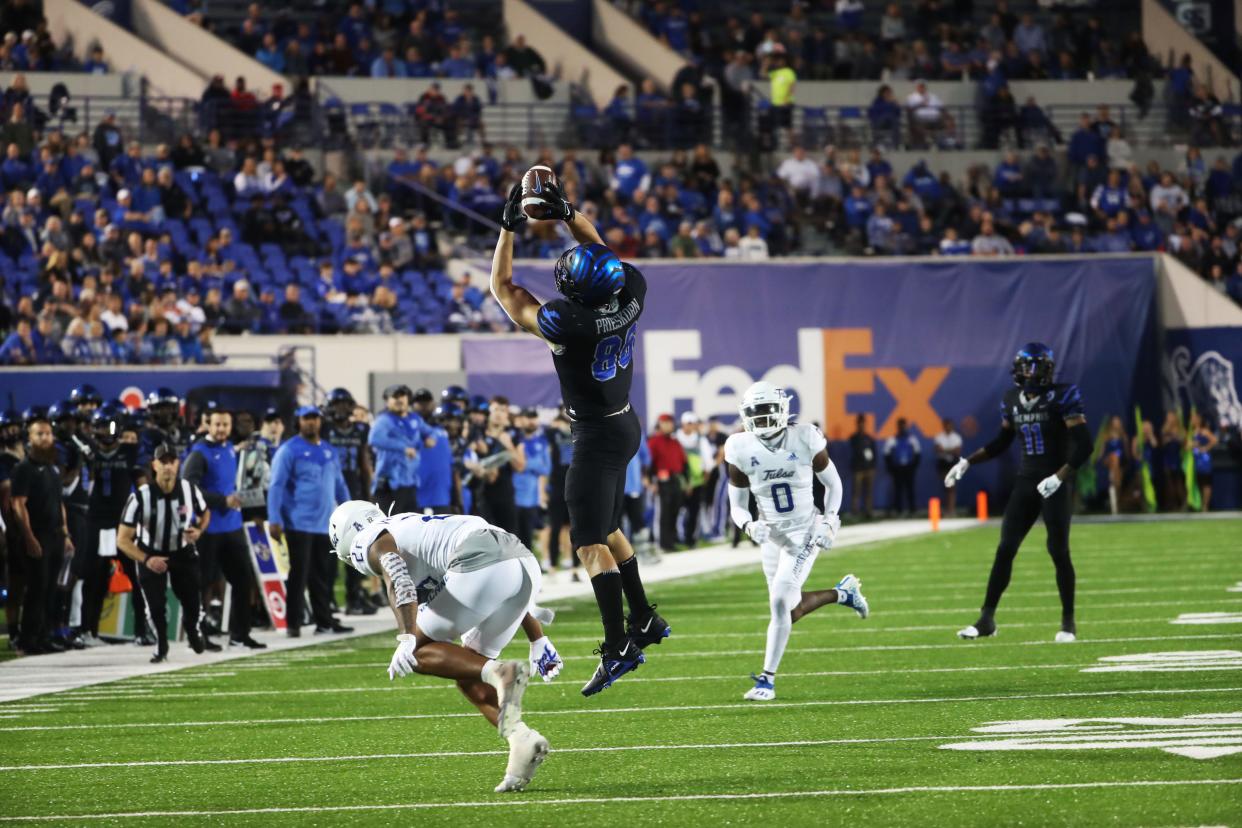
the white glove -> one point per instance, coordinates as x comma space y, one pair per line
956, 473
824, 532
759, 531
545, 661
1049, 485
403, 662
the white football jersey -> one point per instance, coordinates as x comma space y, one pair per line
781, 478
428, 544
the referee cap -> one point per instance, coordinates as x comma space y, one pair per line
164, 450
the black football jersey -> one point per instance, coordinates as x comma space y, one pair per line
593, 349
113, 474
349, 442
1040, 426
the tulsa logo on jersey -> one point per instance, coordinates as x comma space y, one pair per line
781, 477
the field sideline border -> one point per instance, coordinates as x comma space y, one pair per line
32, 676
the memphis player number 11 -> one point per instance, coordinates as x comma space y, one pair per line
1033, 437
612, 353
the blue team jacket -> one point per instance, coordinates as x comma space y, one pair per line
307, 485
390, 437
538, 464
220, 478
435, 471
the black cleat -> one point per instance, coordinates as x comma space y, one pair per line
247, 642
159, 657
649, 629
983, 628
210, 646
613, 664
196, 640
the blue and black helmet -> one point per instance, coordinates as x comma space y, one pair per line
35, 414
59, 412
163, 396
589, 274
446, 411
10, 417
1033, 366
339, 395
106, 424
455, 394
85, 395
479, 403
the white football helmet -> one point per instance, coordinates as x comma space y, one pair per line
347, 520
764, 409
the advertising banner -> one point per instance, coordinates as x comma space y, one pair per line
23, 387
268, 570
886, 339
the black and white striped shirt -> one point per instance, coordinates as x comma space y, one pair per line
160, 517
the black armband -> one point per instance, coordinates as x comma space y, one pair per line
1081, 451
998, 444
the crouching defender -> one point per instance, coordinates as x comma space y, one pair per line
1055, 443
775, 461
449, 577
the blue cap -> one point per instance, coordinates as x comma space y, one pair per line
308, 411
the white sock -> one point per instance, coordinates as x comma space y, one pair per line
521, 731
778, 638
489, 673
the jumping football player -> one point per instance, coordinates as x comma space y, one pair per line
452, 577
1055, 443
775, 461
592, 332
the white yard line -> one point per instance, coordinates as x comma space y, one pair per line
957, 645
391, 687
371, 757
609, 800
612, 710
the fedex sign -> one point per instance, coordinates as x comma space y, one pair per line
831, 368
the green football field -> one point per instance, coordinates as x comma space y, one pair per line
889, 721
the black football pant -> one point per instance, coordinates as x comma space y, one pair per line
635, 513
41, 575
229, 550
183, 576
670, 504
528, 520
311, 563
693, 503
396, 501
903, 489
498, 509
95, 573
1024, 507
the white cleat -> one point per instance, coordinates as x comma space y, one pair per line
511, 680
763, 690
972, 632
850, 588
1065, 637
527, 750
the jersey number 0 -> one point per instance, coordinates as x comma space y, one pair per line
612, 353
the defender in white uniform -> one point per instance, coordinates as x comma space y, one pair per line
449, 577
776, 462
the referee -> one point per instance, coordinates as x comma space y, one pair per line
159, 526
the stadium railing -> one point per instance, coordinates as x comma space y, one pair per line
330, 123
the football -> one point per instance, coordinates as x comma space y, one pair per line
533, 203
